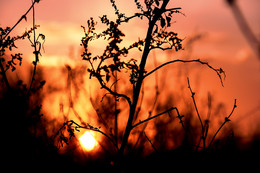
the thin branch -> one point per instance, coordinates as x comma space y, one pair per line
103, 85
36, 52
23, 17
138, 109
179, 117
113, 92
157, 93
218, 71
150, 118
150, 142
4, 76
153, 106
98, 114
162, 48
116, 110
203, 135
195, 105
226, 120
173, 9
129, 18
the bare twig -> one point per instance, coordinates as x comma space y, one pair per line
206, 122
179, 117
173, 9
162, 48
36, 52
116, 111
98, 114
226, 120
195, 105
218, 71
150, 118
101, 82
157, 93
113, 84
150, 142
153, 106
4, 76
203, 135
138, 109
23, 17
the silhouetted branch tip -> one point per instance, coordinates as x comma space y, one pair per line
227, 119
219, 71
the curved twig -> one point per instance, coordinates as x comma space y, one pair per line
113, 92
150, 118
226, 120
23, 17
218, 71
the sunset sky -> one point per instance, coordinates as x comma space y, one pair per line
222, 43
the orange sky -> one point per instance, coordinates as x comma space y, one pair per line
60, 18
223, 44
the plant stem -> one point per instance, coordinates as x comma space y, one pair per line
195, 105
1, 65
36, 52
4, 76
218, 71
116, 111
139, 82
150, 142
23, 17
226, 120
150, 118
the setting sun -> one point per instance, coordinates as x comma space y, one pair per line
88, 141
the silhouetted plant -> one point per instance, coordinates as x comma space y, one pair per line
19, 93
8, 42
20, 109
115, 59
205, 124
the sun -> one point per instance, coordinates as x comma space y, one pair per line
88, 141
